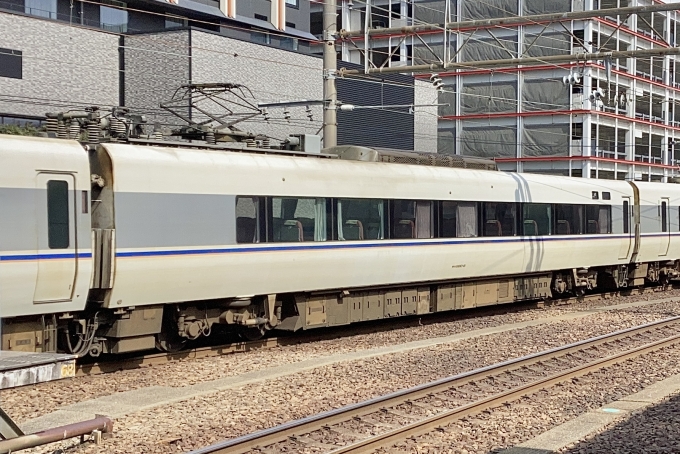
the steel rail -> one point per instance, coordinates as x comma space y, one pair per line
437, 421
283, 432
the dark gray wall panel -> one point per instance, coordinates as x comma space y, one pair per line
391, 128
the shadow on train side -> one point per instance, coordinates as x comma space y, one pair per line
533, 257
652, 429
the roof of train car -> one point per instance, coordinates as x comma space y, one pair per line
22, 154
175, 170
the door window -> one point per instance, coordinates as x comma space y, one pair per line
57, 214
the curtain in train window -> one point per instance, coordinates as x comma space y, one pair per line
297, 219
360, 219
466, 220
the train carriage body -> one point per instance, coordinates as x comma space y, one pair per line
122, 245
45, 256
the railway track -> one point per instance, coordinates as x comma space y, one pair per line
154, 359
383, 421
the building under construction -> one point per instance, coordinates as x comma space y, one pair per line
610, 118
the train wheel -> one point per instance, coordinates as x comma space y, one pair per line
254, 333
169, 340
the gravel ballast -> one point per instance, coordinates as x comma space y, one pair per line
211, 417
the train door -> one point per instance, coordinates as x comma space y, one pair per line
665, 238
628, 232
55, 217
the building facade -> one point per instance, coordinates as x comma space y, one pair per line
616, 119
57, 55
61, 54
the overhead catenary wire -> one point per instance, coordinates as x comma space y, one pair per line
380, 82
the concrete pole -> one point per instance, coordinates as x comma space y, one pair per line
330, 66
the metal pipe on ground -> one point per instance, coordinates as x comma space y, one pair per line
100, 423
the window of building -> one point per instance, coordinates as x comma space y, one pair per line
536, 219
296, 219
11, 63
113, 18
360, 219
293, 3
290, 25
289, 43
568, 219
261, 17
175, 22
261, 37
598, 219
57, 214
247, 228
41, 8
499, 219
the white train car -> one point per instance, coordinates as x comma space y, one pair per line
184, 239
45, 247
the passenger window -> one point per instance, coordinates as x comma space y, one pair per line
403, 219
247, 230
360, 219
57, 214
297, 219
626, 217
423, 219
466, 220
536, 219
664, 217
447, 219
500, 219
568, 219
598, 219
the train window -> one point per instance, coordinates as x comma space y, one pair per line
664, 217
360, 219
466, 220
297, 219
247, 230
423, 219
536, 219
626, 217
568, 219
85, 205
57, 214
598, 219
403, 219
447, 219
499, 219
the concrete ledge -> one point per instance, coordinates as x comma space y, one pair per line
589, 423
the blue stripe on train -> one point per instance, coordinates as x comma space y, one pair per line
342, 245
7, 258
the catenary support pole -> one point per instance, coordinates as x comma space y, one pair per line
330, 65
